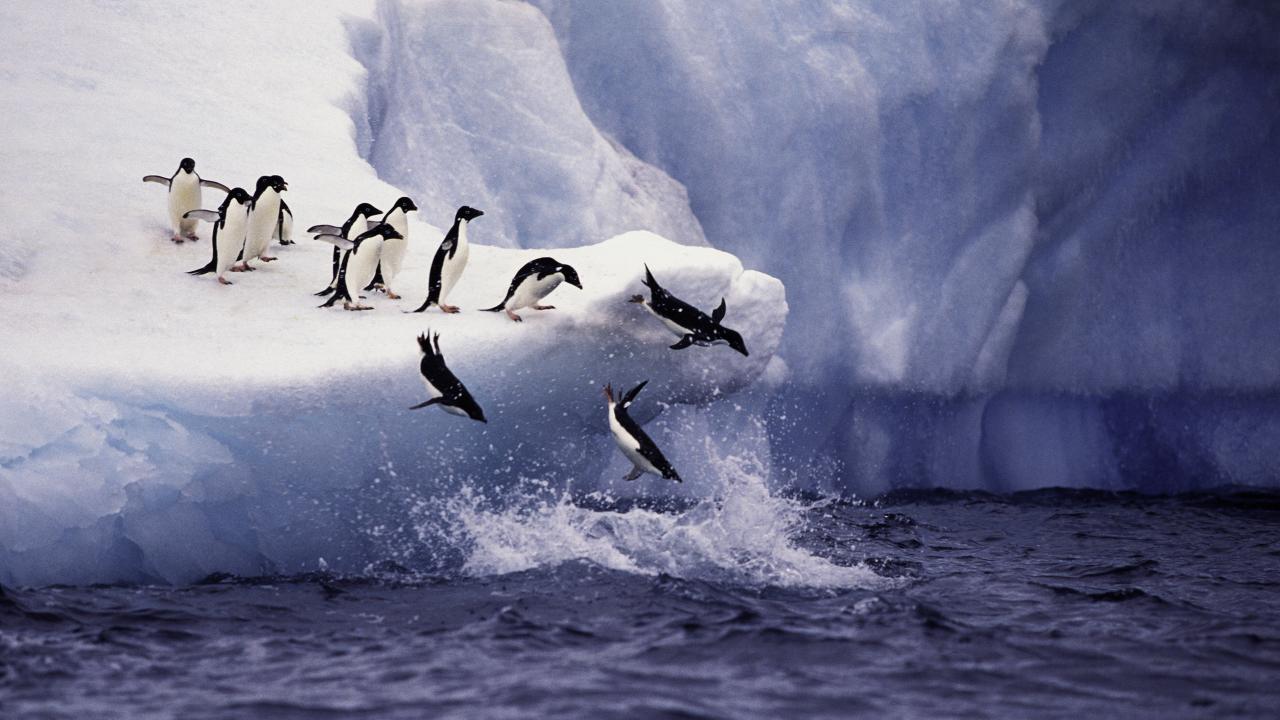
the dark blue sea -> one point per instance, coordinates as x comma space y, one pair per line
920, 604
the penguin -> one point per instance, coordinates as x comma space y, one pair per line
229, 223
690, 324
644, 455
393, 250
357, 265
184, 195
264, 215
284, 225
445, 389
357, 224
534, 281
450, 260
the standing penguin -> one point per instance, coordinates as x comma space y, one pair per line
184, 196
445, 389
393, 250
284, 225
690, 324
358, 265
644, 455
534, 281
355, 225
450, 260
229, 223
264, 214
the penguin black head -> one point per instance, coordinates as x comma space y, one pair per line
264, 182
406, 204
239, 195
187, 165
385, 230
468, 405
467, 213
570, 275
367, 210
733, 338
278, 184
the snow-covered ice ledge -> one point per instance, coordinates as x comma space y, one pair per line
244, 430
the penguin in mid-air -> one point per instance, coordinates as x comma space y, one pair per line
284, 225
644, 455
229, 223
450, 260
184, 196
690, 324
359, 222
357, 265
445, 389
393, 250
264, 215
534, 281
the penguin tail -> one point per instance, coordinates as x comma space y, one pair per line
332, 299
495, 308
423, 308
325, 292
203, 270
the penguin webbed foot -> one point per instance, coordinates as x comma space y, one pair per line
391, 295
451, 309
544, 307
177, 239
223, 281
264, 258
514, 317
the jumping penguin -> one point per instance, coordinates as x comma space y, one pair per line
184, 196
690, 324
264, 215
357, 224
358, 264
450, 260
445, 389
645, 456
284, 225
393, 250
229, 223
534, 281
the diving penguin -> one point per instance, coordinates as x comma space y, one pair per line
690, 324
445, 389
229, 222
393, 250
534, 281
264, 215
449, 262
184, 196
355, 225
644, 455
358, 264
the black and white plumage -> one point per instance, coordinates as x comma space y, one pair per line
355, 225
393, 250
690, 324
442, 385
639, 448
284, 225
534, 281
264, 215
229, 222
358, 264
449, 261
184, 196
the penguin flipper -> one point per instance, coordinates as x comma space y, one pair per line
205, 215
337, 240
685, 342
157, 179
718, 314
204, 270
420, 405
214, 184
325, 229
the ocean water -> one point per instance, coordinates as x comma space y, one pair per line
920, 604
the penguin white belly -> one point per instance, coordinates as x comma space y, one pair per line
362, 265
184, 196
629, 446
393, 250
453, 267
671, 325
231, 238
431, 389
532, 290
262, 224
